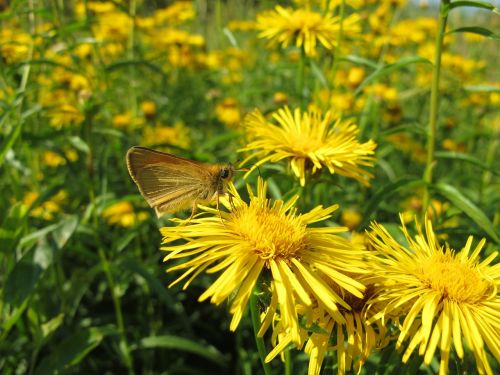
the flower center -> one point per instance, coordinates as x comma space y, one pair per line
270, 232
454, 280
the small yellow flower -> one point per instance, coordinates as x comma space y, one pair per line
52, 159
304, 28
123, 214
407, 145
148, 108
451, 145
112, 26
47, 209
228, 112
355, 76
311, 141
178, 12
241, 25
445, 296
259, 236
177, 135
350, 218
122, 120
280, 98
64, 115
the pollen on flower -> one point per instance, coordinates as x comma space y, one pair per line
454, 280
270, 234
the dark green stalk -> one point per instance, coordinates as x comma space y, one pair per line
340, 39
131, 55
124, 348
434, 103
288, 362
301, 78
254, 310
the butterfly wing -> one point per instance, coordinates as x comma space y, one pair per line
167, 182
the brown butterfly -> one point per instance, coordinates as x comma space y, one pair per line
170, 183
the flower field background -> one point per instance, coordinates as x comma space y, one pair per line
353, 239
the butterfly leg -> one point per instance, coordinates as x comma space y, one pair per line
231, 201
193, 211
218, 210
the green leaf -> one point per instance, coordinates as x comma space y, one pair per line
11, 320
230, 36
71, 350
23, 278
389, 68
472, 3
79, 144
318, 73
476, 30
65, 230
12, 227
358, 60
468, 207
466, 158
61, 232
405, 128
482, 88
52, 325
180, 343
42, 62
135, 266
139, 63
405, 183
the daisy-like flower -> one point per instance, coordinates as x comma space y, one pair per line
447, 296
310, 141
352, 341
303, 27
267, 236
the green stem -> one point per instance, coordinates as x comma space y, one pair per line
490, 160
254, 310
130, 56
118, 311
288, 362
301, 78
434, 103
340, 38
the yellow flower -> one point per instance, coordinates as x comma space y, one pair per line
64, 115
310, 141
350, 218
303, 27
451, 145
354, 339
123, 214
14, 45
280, 98
122, 120
241, 25
47, 209
404, 143
266, 236
53, 159
446, 296
177, 135
178, 12
112, 26
148, 108
228, 112
355, 76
